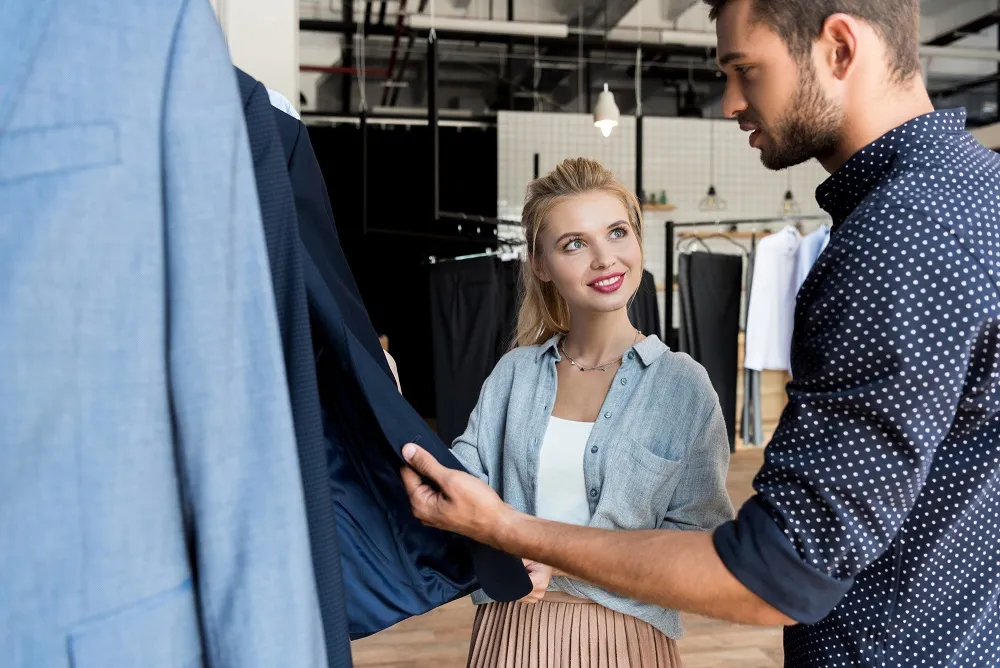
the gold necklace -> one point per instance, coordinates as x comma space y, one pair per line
599, 367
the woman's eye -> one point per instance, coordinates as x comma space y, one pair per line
619, 233
576, 244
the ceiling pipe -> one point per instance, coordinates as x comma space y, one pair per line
513, 28
667, 38
341, 69
963, 53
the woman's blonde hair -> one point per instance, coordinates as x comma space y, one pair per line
544, 313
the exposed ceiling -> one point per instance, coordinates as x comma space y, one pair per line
481, 73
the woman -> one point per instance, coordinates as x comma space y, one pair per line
590, 422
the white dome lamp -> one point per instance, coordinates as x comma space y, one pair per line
606, 112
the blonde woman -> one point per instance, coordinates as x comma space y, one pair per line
588, 421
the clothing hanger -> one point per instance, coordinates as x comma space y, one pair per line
688, 242
701, 239
741, 247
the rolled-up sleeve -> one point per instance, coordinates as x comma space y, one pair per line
882, 350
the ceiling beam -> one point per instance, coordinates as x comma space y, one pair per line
590, 42
962, 20
964, 87
596, 14
671, 10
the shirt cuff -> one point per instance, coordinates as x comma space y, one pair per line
757, 552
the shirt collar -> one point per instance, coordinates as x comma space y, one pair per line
648, 350
846, 188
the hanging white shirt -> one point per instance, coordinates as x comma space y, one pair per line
810, 249
771, 312
562, 489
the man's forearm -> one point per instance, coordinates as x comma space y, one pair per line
673, 569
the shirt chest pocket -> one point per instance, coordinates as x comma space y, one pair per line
55, 150
637, 489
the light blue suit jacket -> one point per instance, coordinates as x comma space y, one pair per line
151, 510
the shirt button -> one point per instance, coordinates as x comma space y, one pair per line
624, 381
594, 449
593, 493
607, 416
631, 356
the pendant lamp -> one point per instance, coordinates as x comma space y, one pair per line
606, 112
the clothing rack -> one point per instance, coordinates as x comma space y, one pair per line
671, 232
502, 251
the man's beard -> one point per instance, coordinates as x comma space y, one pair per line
811, 128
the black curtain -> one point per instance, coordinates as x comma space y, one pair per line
710, 285
391, 269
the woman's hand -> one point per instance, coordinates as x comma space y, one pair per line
540, 575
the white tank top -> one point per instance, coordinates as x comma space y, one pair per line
562, 490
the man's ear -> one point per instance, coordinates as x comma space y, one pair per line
839, 42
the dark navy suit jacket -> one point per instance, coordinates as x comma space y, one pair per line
277, 204
391, 566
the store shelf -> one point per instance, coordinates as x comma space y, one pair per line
659, 207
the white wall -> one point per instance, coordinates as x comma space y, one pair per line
988, 135
263, 38
675, 158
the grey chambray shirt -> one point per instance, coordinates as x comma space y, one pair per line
657, 457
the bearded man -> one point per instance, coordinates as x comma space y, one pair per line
873, 534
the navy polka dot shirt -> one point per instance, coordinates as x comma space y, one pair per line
876, 522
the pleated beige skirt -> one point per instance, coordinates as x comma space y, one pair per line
563, 631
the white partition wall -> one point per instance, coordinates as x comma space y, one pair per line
263, 38
676, 158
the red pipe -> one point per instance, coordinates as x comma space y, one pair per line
340, 69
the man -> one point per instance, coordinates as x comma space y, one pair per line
876, 515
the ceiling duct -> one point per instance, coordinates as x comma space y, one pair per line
520, 28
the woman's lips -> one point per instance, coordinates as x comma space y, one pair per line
609, 284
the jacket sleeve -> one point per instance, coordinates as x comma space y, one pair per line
701, 501
234, 438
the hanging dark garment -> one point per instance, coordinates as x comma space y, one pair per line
644, 311
510, 302
474, 306
714, 283
466, 305
686, 333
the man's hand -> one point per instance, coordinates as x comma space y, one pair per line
461, 503
673, 569
540, 575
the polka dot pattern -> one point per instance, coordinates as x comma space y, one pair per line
885, 468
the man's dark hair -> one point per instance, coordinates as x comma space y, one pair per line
799, 23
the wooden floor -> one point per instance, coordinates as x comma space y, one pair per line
440, 639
